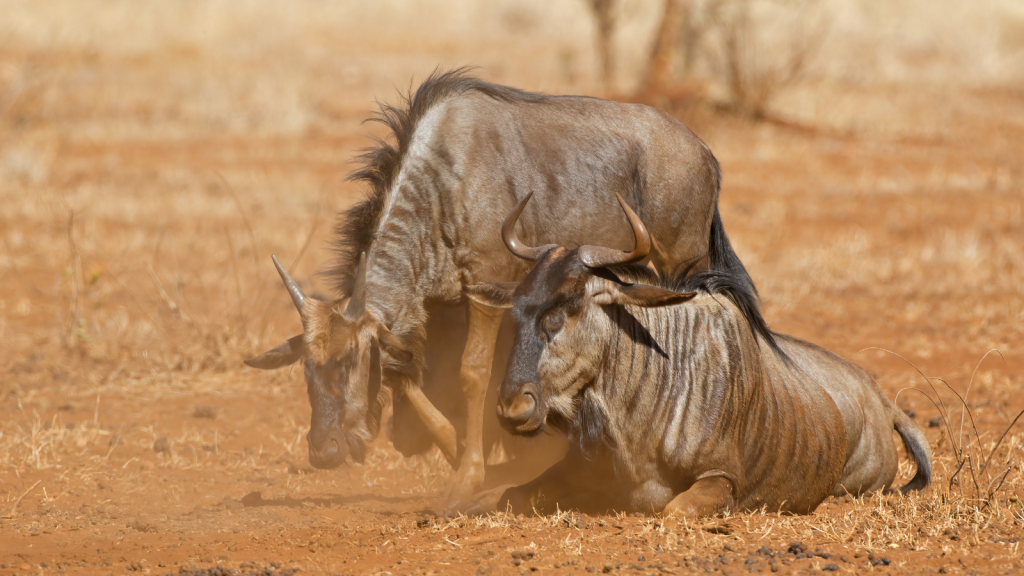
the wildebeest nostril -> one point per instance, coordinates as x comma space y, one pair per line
522, 406
332, 449
330, 452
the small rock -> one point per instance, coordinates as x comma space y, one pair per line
204, 412
642, 559
910, 413
141, 526
522, 554
162, 445
880, 561
830, 567
935, 422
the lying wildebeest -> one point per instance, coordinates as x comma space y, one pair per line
467, 151
670, 401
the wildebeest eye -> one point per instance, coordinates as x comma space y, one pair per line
553, 322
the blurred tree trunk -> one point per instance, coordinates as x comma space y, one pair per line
663, 49
604, 15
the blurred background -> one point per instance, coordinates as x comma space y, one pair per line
154, 154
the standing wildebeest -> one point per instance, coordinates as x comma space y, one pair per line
669, 400
467, 151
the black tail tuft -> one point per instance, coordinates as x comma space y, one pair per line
917, 446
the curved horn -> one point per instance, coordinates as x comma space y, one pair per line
296, 293
508, 234
356, 303
599, 256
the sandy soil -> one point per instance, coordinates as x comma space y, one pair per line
145, 184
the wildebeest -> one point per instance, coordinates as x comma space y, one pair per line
465, 152
672, 402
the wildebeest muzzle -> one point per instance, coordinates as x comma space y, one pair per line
523, 412
327, 449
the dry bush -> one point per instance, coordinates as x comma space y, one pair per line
605, 15
754, 64
981, 465
748, 49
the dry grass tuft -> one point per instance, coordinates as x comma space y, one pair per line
153, 155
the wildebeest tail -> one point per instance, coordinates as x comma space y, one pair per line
720, 254
917, 446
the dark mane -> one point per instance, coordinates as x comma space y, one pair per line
732, 283
381, 163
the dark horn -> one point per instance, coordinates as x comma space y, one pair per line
357, 302
508, 234
297, 296
599, 256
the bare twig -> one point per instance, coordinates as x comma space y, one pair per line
238, 282
75, 274
18, 501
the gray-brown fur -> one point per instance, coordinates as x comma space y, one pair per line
661, 392
465, 152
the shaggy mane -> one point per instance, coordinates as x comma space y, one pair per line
732, 283
355, 228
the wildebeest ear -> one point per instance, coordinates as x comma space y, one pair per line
286, 353
495, 294
639, 295
392, 345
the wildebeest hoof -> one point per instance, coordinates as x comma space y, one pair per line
483, 502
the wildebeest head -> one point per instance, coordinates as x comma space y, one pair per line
335, 349
560, 316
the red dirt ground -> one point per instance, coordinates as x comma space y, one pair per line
135, 277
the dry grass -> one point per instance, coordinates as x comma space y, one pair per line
152, 156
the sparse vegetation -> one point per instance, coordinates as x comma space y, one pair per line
149, 165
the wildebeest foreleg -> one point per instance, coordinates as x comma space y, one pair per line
474, 377
708, 496
568, 485
439, 427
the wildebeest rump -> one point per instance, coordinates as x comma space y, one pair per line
670, 401
466, 152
